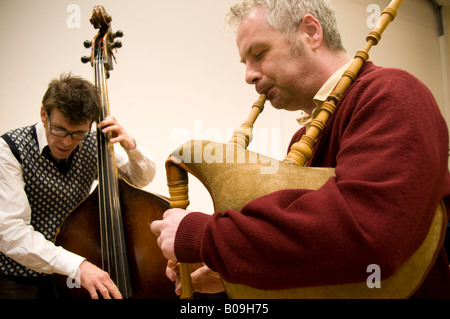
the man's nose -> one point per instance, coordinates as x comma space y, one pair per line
68, 140
252, 74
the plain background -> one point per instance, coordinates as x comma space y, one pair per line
178, 75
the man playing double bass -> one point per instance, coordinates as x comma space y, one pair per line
386, 140
45, 171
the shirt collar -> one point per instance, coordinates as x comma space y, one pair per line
329, 85
41, 137
322, 95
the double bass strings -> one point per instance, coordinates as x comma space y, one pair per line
102, 168
112, 234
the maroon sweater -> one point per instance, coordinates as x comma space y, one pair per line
388, 144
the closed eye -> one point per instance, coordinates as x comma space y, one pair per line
260, 55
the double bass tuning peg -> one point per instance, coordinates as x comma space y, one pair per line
85, 59
117, 34
87, 44
115, 45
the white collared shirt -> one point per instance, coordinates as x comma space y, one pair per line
19, 240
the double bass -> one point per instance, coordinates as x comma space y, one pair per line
111, 228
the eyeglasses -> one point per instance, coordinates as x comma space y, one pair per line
60, 132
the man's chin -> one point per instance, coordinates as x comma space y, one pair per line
279, 106
276, 105
285, 106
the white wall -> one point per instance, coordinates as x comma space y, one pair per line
178, 74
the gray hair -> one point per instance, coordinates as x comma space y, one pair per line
286, 15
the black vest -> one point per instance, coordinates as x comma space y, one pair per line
53, 191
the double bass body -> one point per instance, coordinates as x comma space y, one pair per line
80, 233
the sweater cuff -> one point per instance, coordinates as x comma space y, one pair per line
188, 239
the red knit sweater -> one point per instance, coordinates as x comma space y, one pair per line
388, 144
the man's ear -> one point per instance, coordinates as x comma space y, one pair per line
43, 116
313, 31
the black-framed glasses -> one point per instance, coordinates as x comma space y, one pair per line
60, 132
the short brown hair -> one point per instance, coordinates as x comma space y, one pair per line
77, 99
